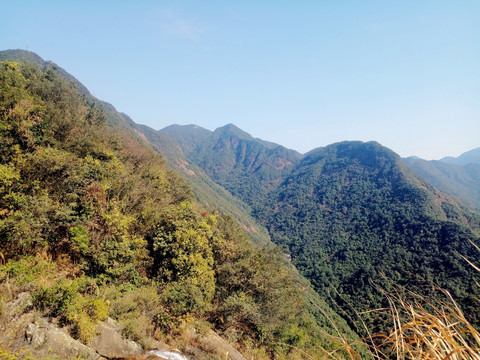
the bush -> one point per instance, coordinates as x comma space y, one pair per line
76, 303
135, 309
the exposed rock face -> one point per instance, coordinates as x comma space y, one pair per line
22, 328
110, 344
211, 344
220, 346
163, 355
42, 335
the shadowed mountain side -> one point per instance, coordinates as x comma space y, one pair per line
352, 213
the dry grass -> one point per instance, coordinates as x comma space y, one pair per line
426, 330
421, 330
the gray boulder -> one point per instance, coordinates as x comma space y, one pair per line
42, 335
110, 344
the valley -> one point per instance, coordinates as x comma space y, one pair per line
186, 237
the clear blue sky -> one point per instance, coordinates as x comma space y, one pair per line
300, 73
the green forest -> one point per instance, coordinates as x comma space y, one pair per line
331, 254
355, 220
95, 225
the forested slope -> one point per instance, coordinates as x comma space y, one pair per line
94, 224
353, 217
249, 168
207, 192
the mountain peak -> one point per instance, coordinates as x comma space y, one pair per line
21, 56
188, 136
232, 130
472, 156
366, 152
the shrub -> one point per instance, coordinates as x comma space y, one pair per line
76, 303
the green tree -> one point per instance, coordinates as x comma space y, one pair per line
183, 260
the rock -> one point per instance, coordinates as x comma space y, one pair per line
110, 344
212, 342
163, 355
17, 306
47, 337
35, 335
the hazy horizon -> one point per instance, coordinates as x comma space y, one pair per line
303, 74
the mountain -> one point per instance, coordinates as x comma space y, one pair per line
248, 167
214, 196
94, 224
350, 214
460, 181
469, 157
189, 137
207, 192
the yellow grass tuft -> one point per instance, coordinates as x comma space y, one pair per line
426, 330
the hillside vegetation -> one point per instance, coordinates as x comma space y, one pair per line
93, 224
354, 219
207, 192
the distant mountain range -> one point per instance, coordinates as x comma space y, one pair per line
469, 157
459, 177
352, 217
347, 214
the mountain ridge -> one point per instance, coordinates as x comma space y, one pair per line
105, 228
347, 214
229, 153
459, 179
344, 201
471, 156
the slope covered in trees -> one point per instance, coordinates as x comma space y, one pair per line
93, 224
249, 168
354, 219
207, 192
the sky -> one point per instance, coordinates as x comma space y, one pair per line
303, 74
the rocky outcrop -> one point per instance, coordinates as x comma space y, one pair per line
212, 342
23, 329
42, 335
110, 344
163, 355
